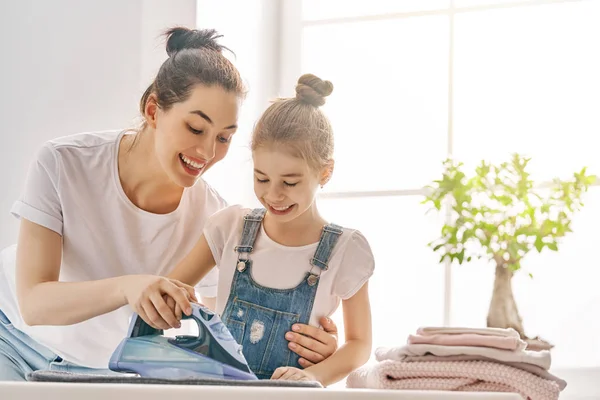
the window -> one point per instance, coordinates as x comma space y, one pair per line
417, 81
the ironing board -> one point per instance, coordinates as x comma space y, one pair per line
70, 377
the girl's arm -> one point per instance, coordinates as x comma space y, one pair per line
210, 302
190, 271
195, 265
353, 354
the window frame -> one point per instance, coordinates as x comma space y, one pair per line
290, 61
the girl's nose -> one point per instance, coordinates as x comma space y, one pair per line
275, 194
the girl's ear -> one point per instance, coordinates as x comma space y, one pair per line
326, 172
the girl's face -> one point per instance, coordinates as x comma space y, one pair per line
285, 185
195, 134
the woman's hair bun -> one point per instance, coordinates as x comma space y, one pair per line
181, 38
312, 90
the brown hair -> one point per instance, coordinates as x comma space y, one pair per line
195, 57
298, 123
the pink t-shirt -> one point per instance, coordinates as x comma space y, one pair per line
281, 267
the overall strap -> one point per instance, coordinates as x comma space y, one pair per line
252, 222
329, 237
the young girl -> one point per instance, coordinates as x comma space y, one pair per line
285, 264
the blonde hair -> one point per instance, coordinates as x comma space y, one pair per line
299, 124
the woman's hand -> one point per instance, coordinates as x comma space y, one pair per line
146, 295
173, 306
313, 344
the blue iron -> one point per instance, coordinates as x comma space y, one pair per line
214, 353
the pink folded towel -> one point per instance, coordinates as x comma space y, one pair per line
453, 376
470, 339
537, 371
434, 330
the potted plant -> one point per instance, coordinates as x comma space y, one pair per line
499, 215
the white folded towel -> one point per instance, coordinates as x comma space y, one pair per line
509, 332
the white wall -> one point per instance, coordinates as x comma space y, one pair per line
156, 17
252, 32
70, 66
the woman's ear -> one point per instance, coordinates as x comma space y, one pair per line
326, 172
150, 110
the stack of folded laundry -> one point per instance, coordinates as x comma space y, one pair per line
462, 359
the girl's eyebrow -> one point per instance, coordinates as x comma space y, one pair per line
293, 175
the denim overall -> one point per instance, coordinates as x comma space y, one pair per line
259, 317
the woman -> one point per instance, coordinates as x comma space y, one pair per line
104, 216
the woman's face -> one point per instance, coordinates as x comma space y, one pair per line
195, 134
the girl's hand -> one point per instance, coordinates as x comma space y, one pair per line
145, 295
292, 374
312, 344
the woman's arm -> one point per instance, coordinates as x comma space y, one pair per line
353, 354
313, 344
45, 301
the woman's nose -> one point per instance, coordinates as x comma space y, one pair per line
206, 148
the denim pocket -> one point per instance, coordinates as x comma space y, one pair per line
261, 332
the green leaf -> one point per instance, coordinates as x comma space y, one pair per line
590, 180
539, 244
513, 250
530, 275
552, 246
505, 200
460, 256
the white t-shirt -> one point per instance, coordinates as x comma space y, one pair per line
281, 267
74, 189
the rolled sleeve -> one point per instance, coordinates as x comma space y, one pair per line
40, 201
